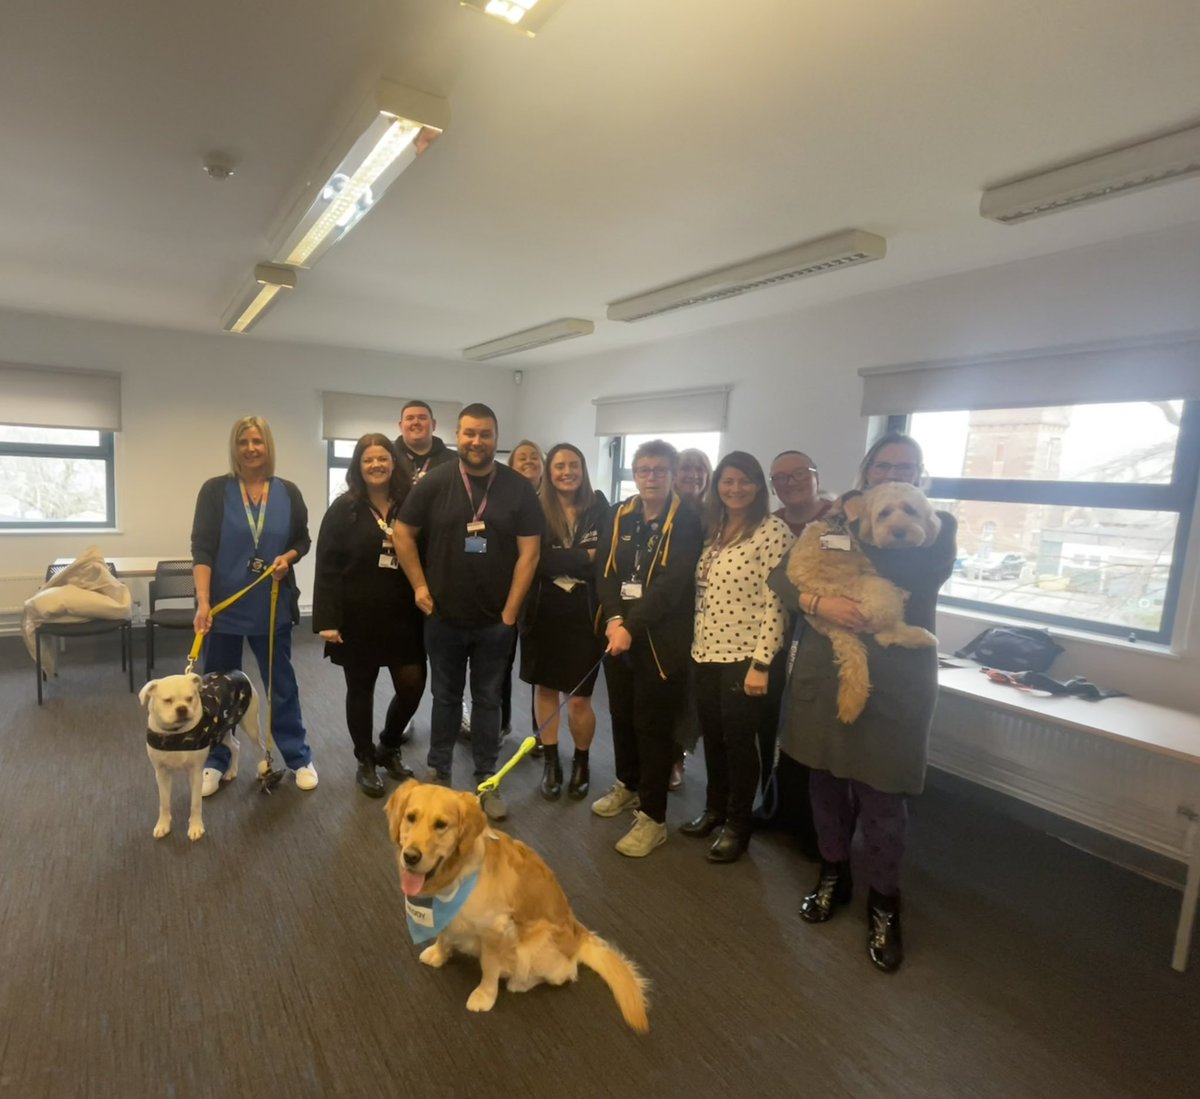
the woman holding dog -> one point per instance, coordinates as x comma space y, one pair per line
364, 609
560, 651
863, 772
739, 627
246, 520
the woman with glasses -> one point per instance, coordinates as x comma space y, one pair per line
645, 567
739, 627
862, 772
795, 483
560, 651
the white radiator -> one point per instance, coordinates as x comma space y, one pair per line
1120, 790
14, 590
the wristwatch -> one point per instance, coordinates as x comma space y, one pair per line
759, 666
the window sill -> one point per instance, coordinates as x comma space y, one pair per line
1061, 633
59, 530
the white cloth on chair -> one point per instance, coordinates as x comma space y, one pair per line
84, 591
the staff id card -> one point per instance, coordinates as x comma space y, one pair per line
475, 544
631, 589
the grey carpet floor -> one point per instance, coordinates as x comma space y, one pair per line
272, 956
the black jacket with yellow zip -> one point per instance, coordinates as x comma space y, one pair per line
662, 619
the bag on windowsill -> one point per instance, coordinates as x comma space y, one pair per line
1013, 649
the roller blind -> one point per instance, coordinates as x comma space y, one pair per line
1163, 370
644, 413
38, 396
351, 415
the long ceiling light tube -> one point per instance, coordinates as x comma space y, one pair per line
526, 340
386, 135
258, 295
1146, 164
832, 253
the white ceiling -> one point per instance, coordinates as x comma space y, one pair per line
632, 143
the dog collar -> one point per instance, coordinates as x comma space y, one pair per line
204, 735
428, 917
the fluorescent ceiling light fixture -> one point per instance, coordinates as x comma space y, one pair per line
832, 253
526, 15
566, 329
254, 301
1145, 164
395, 127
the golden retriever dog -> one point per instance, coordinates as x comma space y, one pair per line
516, 918
825, 561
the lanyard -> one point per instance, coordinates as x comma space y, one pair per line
380, 521
419, 473
643, 544
256, 528
471, 499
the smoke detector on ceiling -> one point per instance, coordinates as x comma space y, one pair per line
217, 168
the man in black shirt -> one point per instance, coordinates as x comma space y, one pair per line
480, 529
419, 450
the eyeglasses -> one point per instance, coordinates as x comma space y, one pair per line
905, 469
793, 478
652, 473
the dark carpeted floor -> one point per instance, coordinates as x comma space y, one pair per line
271, 958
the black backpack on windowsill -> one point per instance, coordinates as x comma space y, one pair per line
1013, 649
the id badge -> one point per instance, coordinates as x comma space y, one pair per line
256, 565
387, 561
836, 542
631, 589
475, 544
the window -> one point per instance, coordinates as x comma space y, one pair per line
56, 477
623, 486
1075, 515
340, 452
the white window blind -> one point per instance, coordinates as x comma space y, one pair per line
668, 413
38, 396
1162, 370
352, 415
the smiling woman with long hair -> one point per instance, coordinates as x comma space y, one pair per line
560, 651
363, 607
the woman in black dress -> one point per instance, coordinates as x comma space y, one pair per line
363, 607
560, 651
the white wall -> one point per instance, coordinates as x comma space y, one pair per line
181, 392
795, 384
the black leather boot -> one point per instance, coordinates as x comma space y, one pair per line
390, 760
369, 781
552, 776
730, 845
580, 779
833, 888
885, 946
703, 825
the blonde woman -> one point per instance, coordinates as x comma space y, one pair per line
560, 650
246, 520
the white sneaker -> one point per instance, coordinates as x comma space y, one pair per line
211, 778
616, 801
306, 777
645, 835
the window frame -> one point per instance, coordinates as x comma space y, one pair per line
333, 461
104, 451
1177, 496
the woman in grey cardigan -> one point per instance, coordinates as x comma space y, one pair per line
862, 772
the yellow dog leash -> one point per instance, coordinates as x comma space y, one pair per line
268, 776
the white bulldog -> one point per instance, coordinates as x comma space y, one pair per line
186, 715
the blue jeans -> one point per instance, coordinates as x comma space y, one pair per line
223, 653
451, 649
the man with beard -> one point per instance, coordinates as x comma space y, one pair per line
479, 526
418, 449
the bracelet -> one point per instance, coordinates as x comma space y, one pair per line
614, 618
815, 604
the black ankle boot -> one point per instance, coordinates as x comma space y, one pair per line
551, 774
885, 947
369, 781
580, 779
833, 888
703, 825
391, 761
730, 845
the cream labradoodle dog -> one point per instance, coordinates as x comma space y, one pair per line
826, 561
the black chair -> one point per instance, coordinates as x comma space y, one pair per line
84, 629
173, 580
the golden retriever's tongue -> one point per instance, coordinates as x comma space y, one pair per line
411, 883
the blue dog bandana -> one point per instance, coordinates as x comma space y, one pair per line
428, 917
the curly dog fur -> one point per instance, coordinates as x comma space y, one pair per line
894, 516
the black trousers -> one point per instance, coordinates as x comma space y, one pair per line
644, 708
409, 683
729, 722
